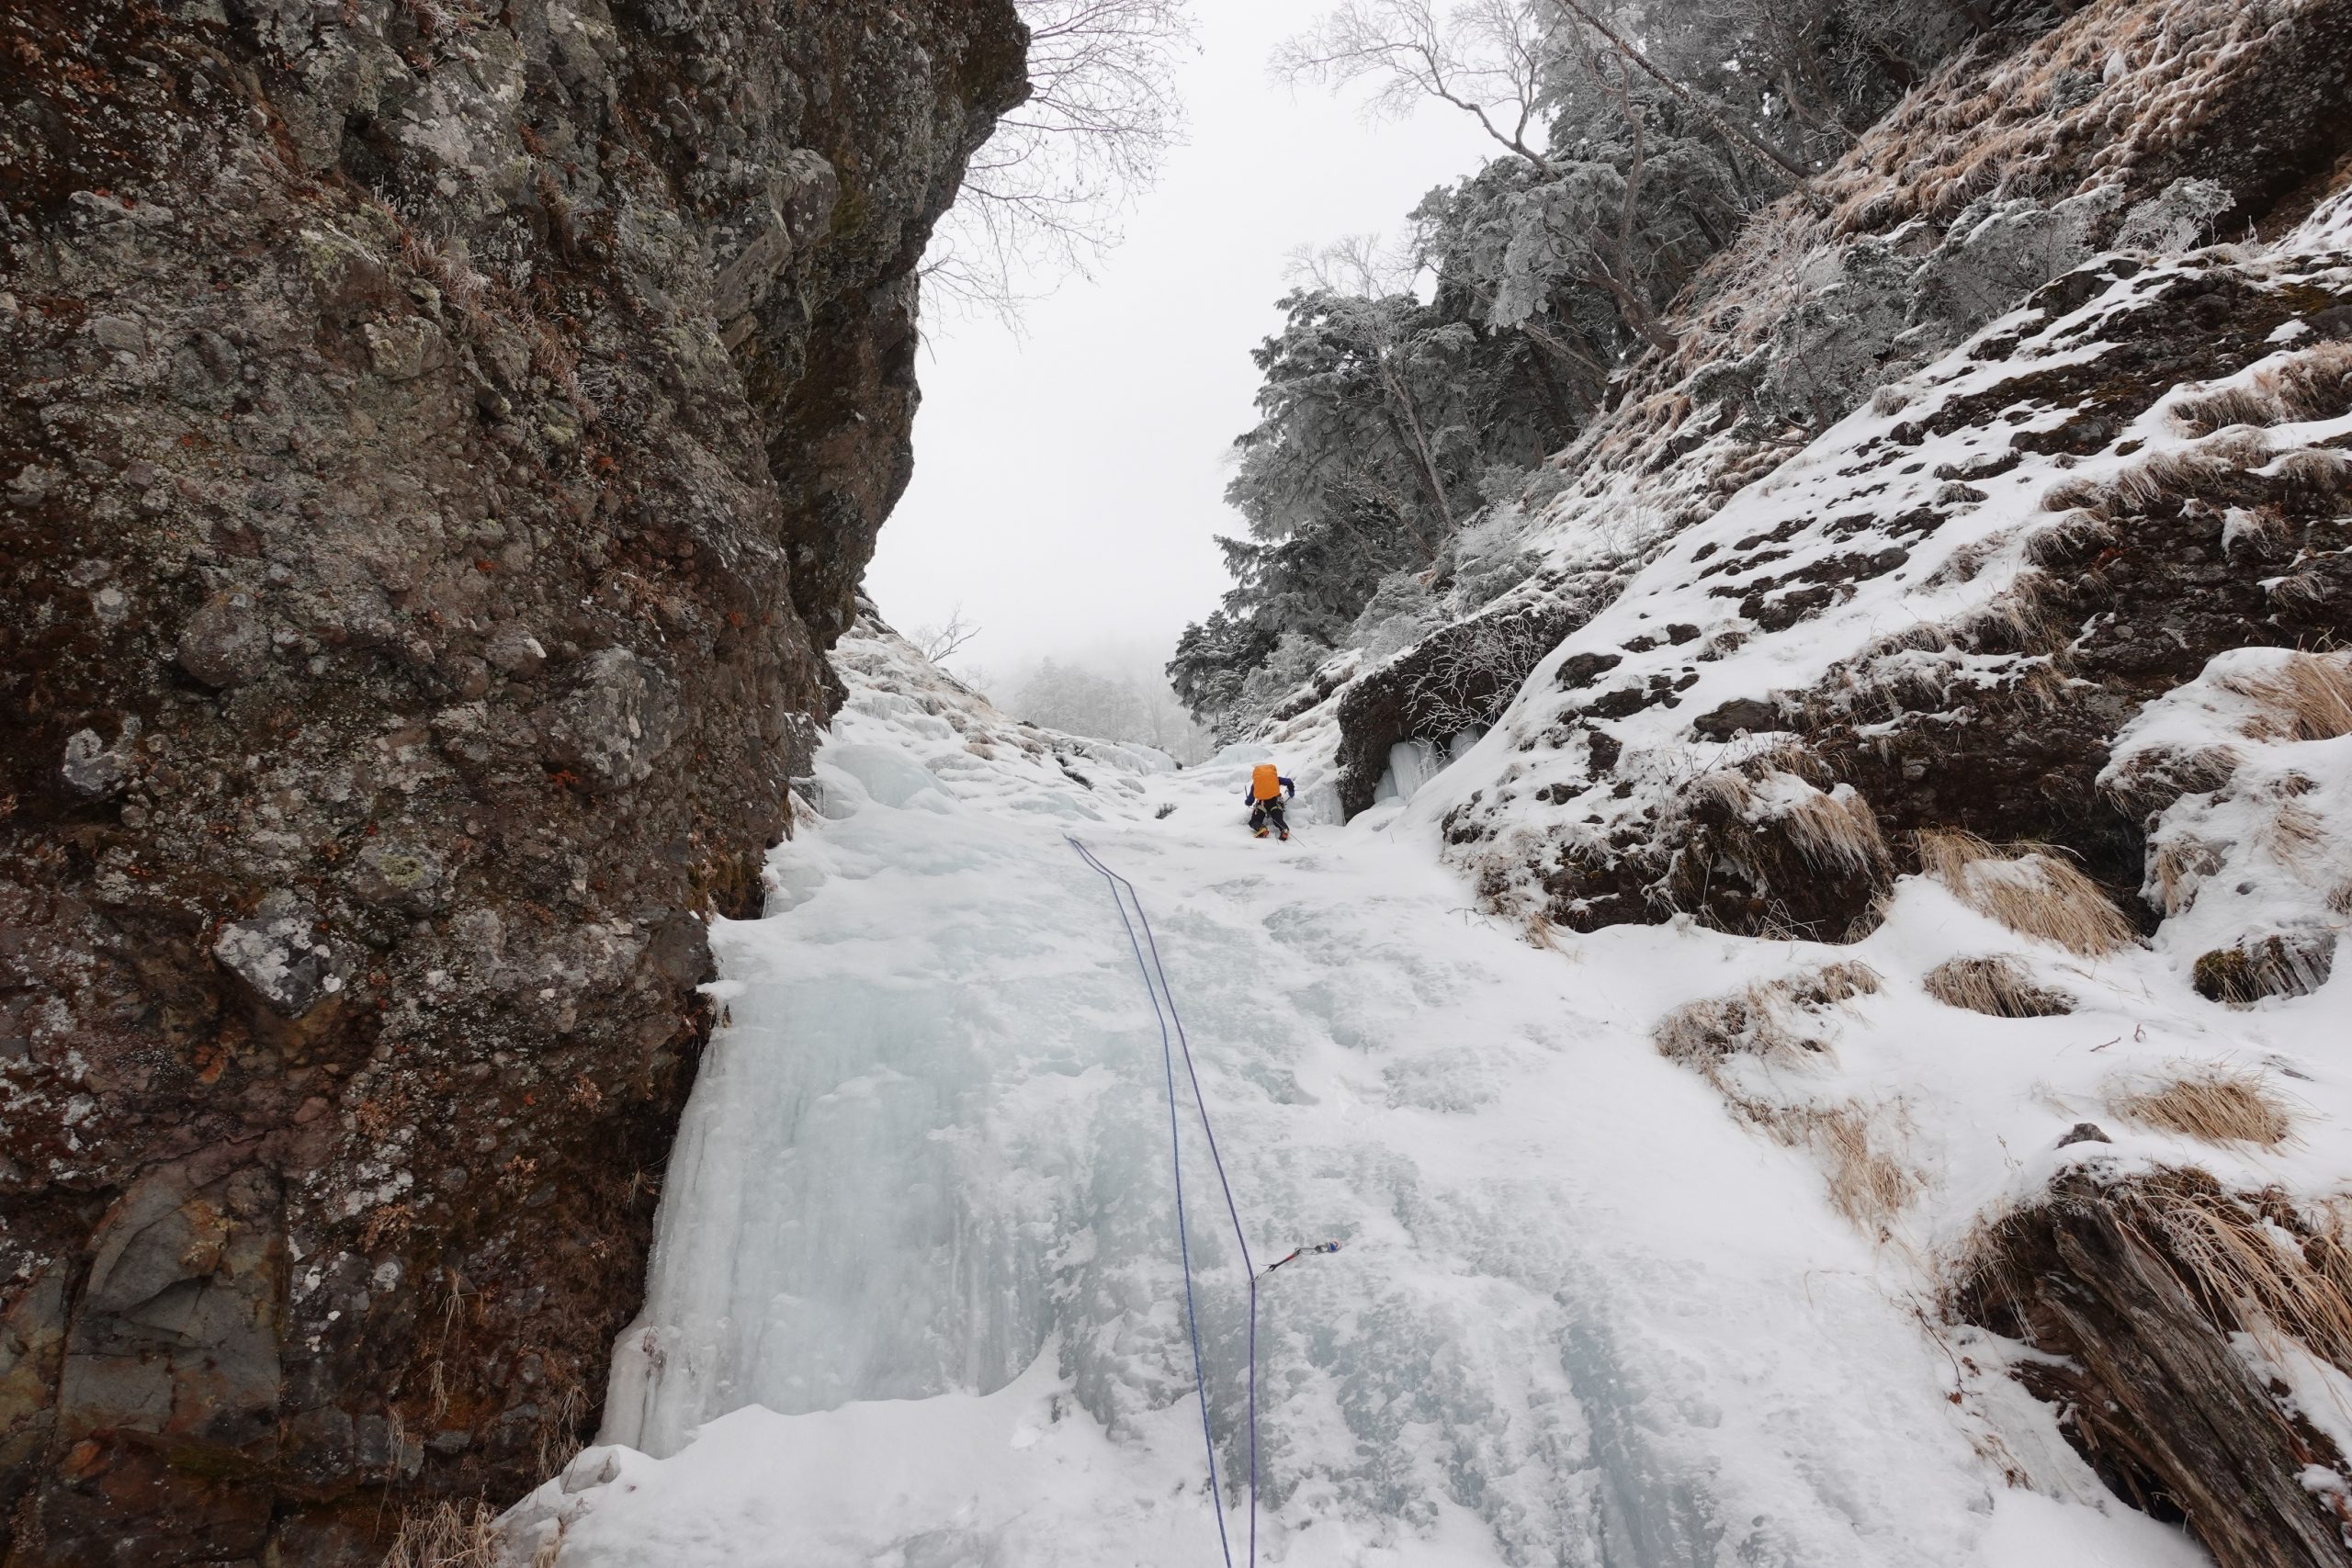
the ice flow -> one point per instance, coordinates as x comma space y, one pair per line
915, 1299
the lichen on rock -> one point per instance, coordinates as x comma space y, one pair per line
281, 956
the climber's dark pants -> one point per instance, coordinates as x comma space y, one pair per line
1265, 813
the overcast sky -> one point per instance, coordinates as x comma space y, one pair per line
1068, 486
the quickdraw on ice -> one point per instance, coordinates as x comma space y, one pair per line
1298, 1252
1172, 1039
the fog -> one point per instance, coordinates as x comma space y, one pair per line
1069, 477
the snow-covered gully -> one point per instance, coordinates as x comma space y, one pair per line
916, 1299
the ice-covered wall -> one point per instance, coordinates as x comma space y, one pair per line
917, 1296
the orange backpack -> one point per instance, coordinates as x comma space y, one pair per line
1265, 782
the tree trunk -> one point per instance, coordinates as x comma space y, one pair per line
1403, 401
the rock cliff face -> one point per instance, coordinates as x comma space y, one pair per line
442, 436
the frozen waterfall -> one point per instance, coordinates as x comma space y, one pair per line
915, 1299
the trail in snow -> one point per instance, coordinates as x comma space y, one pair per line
916, 1299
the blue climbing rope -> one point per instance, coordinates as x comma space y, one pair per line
1155, 985
1172, 1039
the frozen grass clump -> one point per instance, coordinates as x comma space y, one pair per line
445, 1536
1782, 1022
1831, 830
2033, 893
2216, 1103
2192, 739
2313, 385
1869, 1182
1996, 985
2238, 1254
1771, 1021
2262, 1264
2170, 477
2288, 964
2302, 697
2242, 779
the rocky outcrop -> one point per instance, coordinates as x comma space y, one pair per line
1997, 719
1458, 679
442, 439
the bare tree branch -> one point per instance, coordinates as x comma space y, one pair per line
939, 643
1485, 58
1044, 196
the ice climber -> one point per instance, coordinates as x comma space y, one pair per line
1265, 795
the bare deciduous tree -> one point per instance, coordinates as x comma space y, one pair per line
1486, 58
939, 643
1044, 196
1491, 59
1469, 675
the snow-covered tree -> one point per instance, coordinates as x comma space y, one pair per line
1633, 137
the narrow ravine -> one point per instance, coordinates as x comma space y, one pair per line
916, 1298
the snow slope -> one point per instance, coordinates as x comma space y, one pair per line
916, 1298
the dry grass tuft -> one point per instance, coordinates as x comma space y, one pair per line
2316, 385
2073, 535
1702, 1034
1810, 847
1771, 1021
443, 1535
2019, 621
1868, 1183
2294, 832
1829, 984
2219, 410
2315, 478
2299, 592
2253, 1260
2218, 1104
558, 1437
1776, 1022
2033, 893
2177, 475
2257, 531
1837, 829
2307, 697
2312, 386
1996, 985
1831, 830
2257, 1262
2180, 865
1929, 667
